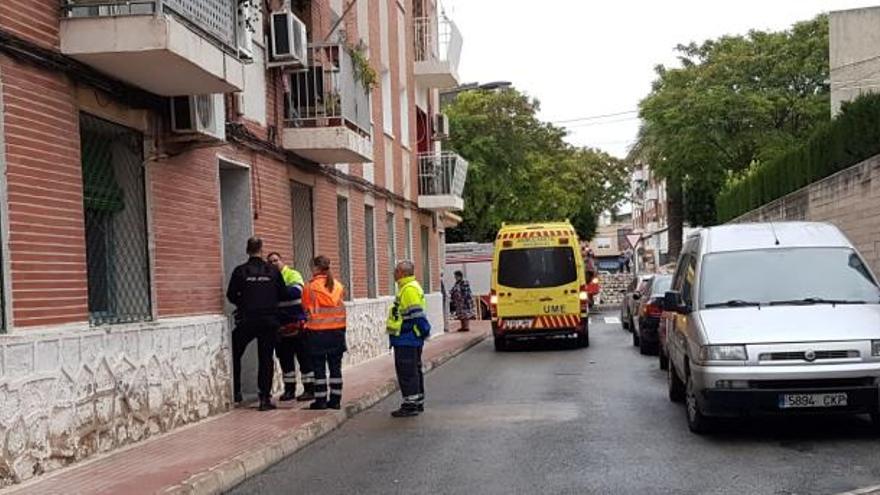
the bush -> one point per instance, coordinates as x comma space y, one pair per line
853, 136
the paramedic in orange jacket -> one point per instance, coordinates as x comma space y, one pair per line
323, 300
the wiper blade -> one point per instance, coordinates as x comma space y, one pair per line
815, 300
733, 303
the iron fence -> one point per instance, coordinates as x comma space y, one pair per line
329, 93
442, 174
115, 222
215, 19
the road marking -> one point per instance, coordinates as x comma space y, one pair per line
612, 320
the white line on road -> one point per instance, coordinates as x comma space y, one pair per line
612, 320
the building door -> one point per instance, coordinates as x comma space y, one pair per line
303, 227
237, 227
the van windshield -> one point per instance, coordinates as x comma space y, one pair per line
786, 276
534, 268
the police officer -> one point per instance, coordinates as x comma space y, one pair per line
408, 328
256, 288
291, 346
323, 300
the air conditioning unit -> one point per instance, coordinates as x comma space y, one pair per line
199, 115
248, 17
441, 127
288, 41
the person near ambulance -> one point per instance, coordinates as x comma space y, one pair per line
323, 300
291, 348
256, 288
408, 327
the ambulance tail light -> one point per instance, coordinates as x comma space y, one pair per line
493, 303
583, 295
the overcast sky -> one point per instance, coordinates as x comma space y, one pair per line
583, 58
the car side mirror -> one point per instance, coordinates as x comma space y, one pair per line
636, 296
672, 301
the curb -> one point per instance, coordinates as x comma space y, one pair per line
234, 471
871, 490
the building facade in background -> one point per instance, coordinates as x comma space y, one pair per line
854, 54
649, 210
141, 144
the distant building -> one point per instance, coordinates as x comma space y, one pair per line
854, 54
649, 210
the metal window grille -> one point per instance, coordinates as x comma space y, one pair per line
370, 234
115, 222
303, 226
408, 246
392, 250
426, 257
344, 247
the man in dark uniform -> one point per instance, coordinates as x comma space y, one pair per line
256, 288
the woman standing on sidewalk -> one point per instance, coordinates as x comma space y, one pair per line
462, 301
325, 332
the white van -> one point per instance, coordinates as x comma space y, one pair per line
778, 318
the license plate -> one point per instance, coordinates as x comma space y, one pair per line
791, 401
518, 324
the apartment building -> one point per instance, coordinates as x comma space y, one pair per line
143, 141
649, 210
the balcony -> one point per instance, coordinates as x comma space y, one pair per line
166, 47
441, 181
327, 109
437, 52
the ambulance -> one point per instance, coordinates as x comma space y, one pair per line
539, 287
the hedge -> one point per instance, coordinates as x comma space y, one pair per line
853, 136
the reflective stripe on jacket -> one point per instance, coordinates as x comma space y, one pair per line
407, 323
325, 308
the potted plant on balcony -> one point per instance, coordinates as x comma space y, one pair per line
364, 73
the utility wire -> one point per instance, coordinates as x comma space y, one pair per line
594, 117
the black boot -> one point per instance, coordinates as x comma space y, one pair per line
421, 408
308, 394
335, 402
319, 405
407, 410
266, 404
289, 392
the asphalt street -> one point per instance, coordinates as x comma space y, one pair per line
563, 420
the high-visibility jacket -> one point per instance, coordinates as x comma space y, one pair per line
407, 323
292, 312
325, 308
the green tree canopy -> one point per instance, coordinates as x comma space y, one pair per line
734, 100
521, 169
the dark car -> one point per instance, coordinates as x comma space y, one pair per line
630, 304
650, 309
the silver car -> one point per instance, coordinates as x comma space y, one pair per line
772, 319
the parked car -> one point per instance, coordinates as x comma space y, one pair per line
629, 305
648, 311
774, 319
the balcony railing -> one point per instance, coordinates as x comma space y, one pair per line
438, 42
214, 19
328, 93
442, 178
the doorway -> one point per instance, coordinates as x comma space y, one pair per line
237, 225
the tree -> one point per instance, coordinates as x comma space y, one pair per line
733, 101
521, 169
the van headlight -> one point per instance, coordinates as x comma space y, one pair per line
875, 348
723, 353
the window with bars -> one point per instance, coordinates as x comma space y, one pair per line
344, 245
114, 207
370, 235
392, 250
302, 204
426, 258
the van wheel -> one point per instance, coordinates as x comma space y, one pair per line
875, 421
697, 421
500, 344
583, 339
674, 385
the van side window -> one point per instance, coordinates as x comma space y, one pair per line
689, 277
678, 278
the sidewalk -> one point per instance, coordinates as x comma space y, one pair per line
219, 453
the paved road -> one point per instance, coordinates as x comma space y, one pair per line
571, 421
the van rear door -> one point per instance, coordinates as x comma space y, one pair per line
535, 281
